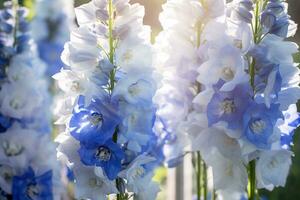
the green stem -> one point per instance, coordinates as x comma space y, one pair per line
256, 39
198, 172
256, 25
214, 195
252, 179
198, 39
257, 35
111, 43
112, 73
204, 180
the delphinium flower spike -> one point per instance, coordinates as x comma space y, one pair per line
251, 85
107, 109
180, 50
51, 30
28, 166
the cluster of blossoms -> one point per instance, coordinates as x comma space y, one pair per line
182, 22
51, 30
28, 167
234, 94
107, 108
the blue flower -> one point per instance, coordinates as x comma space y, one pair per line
258, 123
5, 123
9, 46
287, 138
275, 20
28, 186
243, 11
98, 120
105, 154
50, 53
229, 106
268, 79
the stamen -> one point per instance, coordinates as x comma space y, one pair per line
103, 154
227, 106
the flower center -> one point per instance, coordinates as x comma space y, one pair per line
16, 104
238, 43
75, 86
96, 119
227, 74
139, 171
95, 182
228, 106
11, 149
134, 89
229, 170
6, 173
273, 164
103, 154
127, 56
32, 191
258, 126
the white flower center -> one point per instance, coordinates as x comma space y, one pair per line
16, 103
258, 126
75, 86
227, 106
238, 43
103, 154
32, 191
6, 173
229, 170
12, 149
138, 172
134, 89
95, 182
273, 163
127, 56
227, 73
96, 119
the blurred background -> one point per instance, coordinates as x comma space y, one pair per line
153, 8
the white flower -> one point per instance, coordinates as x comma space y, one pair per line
92, 184
19, 102
228, 174
227, 64
279, 51
272, 168
75, 84
130, 54
135, 89
136, 176
79, 56
135, 173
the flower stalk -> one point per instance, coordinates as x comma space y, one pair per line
259, 5
198, 172
111, 44
121, 195
252, 178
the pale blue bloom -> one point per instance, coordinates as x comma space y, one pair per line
229, 106
275, 20
259, 122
